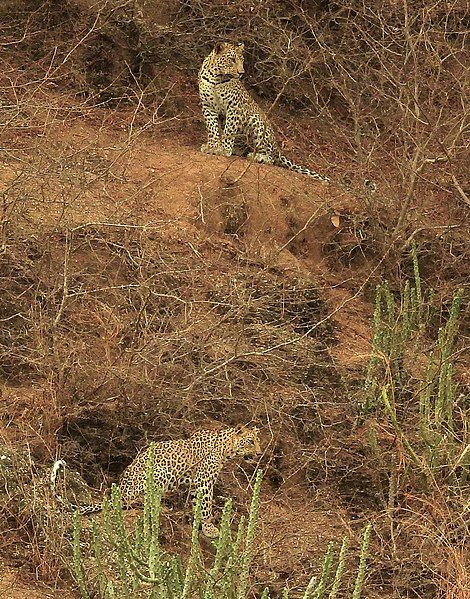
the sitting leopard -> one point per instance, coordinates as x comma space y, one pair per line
196, 462
223, 95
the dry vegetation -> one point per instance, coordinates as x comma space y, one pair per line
147, 290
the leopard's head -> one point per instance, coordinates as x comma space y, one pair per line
227, 60
246, 440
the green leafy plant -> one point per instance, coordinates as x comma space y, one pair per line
399, 327
124, 564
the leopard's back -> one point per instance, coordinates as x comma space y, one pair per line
174, 464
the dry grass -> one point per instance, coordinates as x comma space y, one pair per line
148, 291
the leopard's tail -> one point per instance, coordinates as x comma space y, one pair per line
286, 163
369, 185
82, 509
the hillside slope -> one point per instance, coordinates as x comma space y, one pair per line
148, 290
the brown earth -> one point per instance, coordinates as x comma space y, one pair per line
147, 290
221, 215
13, 587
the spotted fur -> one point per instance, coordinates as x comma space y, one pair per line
224, 95
195, 462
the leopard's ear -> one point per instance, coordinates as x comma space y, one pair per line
219, 47
240, 428
241, 47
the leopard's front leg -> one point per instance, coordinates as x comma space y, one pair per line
231, 130
204, 482
211, 118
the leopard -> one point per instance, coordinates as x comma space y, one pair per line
225, 98
223, 95
195, 462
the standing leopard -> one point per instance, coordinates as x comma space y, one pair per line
195, 462
224, 95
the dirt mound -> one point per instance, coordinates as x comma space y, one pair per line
150, 290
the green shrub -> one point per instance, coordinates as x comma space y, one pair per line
433, 444
125, 564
